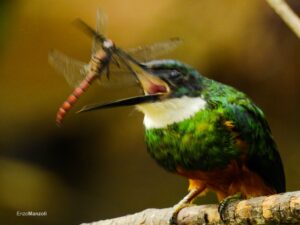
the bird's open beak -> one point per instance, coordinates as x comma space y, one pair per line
154, 89
152, 84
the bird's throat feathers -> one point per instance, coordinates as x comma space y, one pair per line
167, 112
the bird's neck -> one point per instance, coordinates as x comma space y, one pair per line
164, 113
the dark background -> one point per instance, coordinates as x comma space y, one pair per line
96, 165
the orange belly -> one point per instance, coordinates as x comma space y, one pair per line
228, 181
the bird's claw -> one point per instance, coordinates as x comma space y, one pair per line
176, 210
173, 220
223, 204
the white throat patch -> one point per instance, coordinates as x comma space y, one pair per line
161, 114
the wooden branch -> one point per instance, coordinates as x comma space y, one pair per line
286, 14
275, 209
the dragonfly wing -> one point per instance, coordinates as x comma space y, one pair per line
117, 82
152, 51
101, 22
73, 70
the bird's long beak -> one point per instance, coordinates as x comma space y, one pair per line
154, 89
123, 102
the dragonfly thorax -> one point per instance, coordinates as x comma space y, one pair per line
99, 59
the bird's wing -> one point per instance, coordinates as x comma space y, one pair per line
262, 157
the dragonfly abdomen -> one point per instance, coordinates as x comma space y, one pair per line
72, 99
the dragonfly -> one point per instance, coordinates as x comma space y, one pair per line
105, 53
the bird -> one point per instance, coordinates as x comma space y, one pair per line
208, 132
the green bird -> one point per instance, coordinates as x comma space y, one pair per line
198, 128
206, 131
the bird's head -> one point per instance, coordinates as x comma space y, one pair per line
172, 92
171, 78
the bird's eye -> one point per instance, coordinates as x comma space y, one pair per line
174, 74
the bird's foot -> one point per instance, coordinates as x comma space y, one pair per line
186, 201
176, 209
225, 202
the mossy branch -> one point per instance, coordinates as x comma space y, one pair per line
275, 209
286, 14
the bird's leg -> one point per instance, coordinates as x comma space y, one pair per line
226, 201
193, 193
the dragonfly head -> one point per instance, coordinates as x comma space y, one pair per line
108, 44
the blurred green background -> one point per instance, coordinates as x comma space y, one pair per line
96, 165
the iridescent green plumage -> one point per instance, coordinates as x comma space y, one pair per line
203, 142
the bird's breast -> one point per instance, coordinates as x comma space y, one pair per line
164, 113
